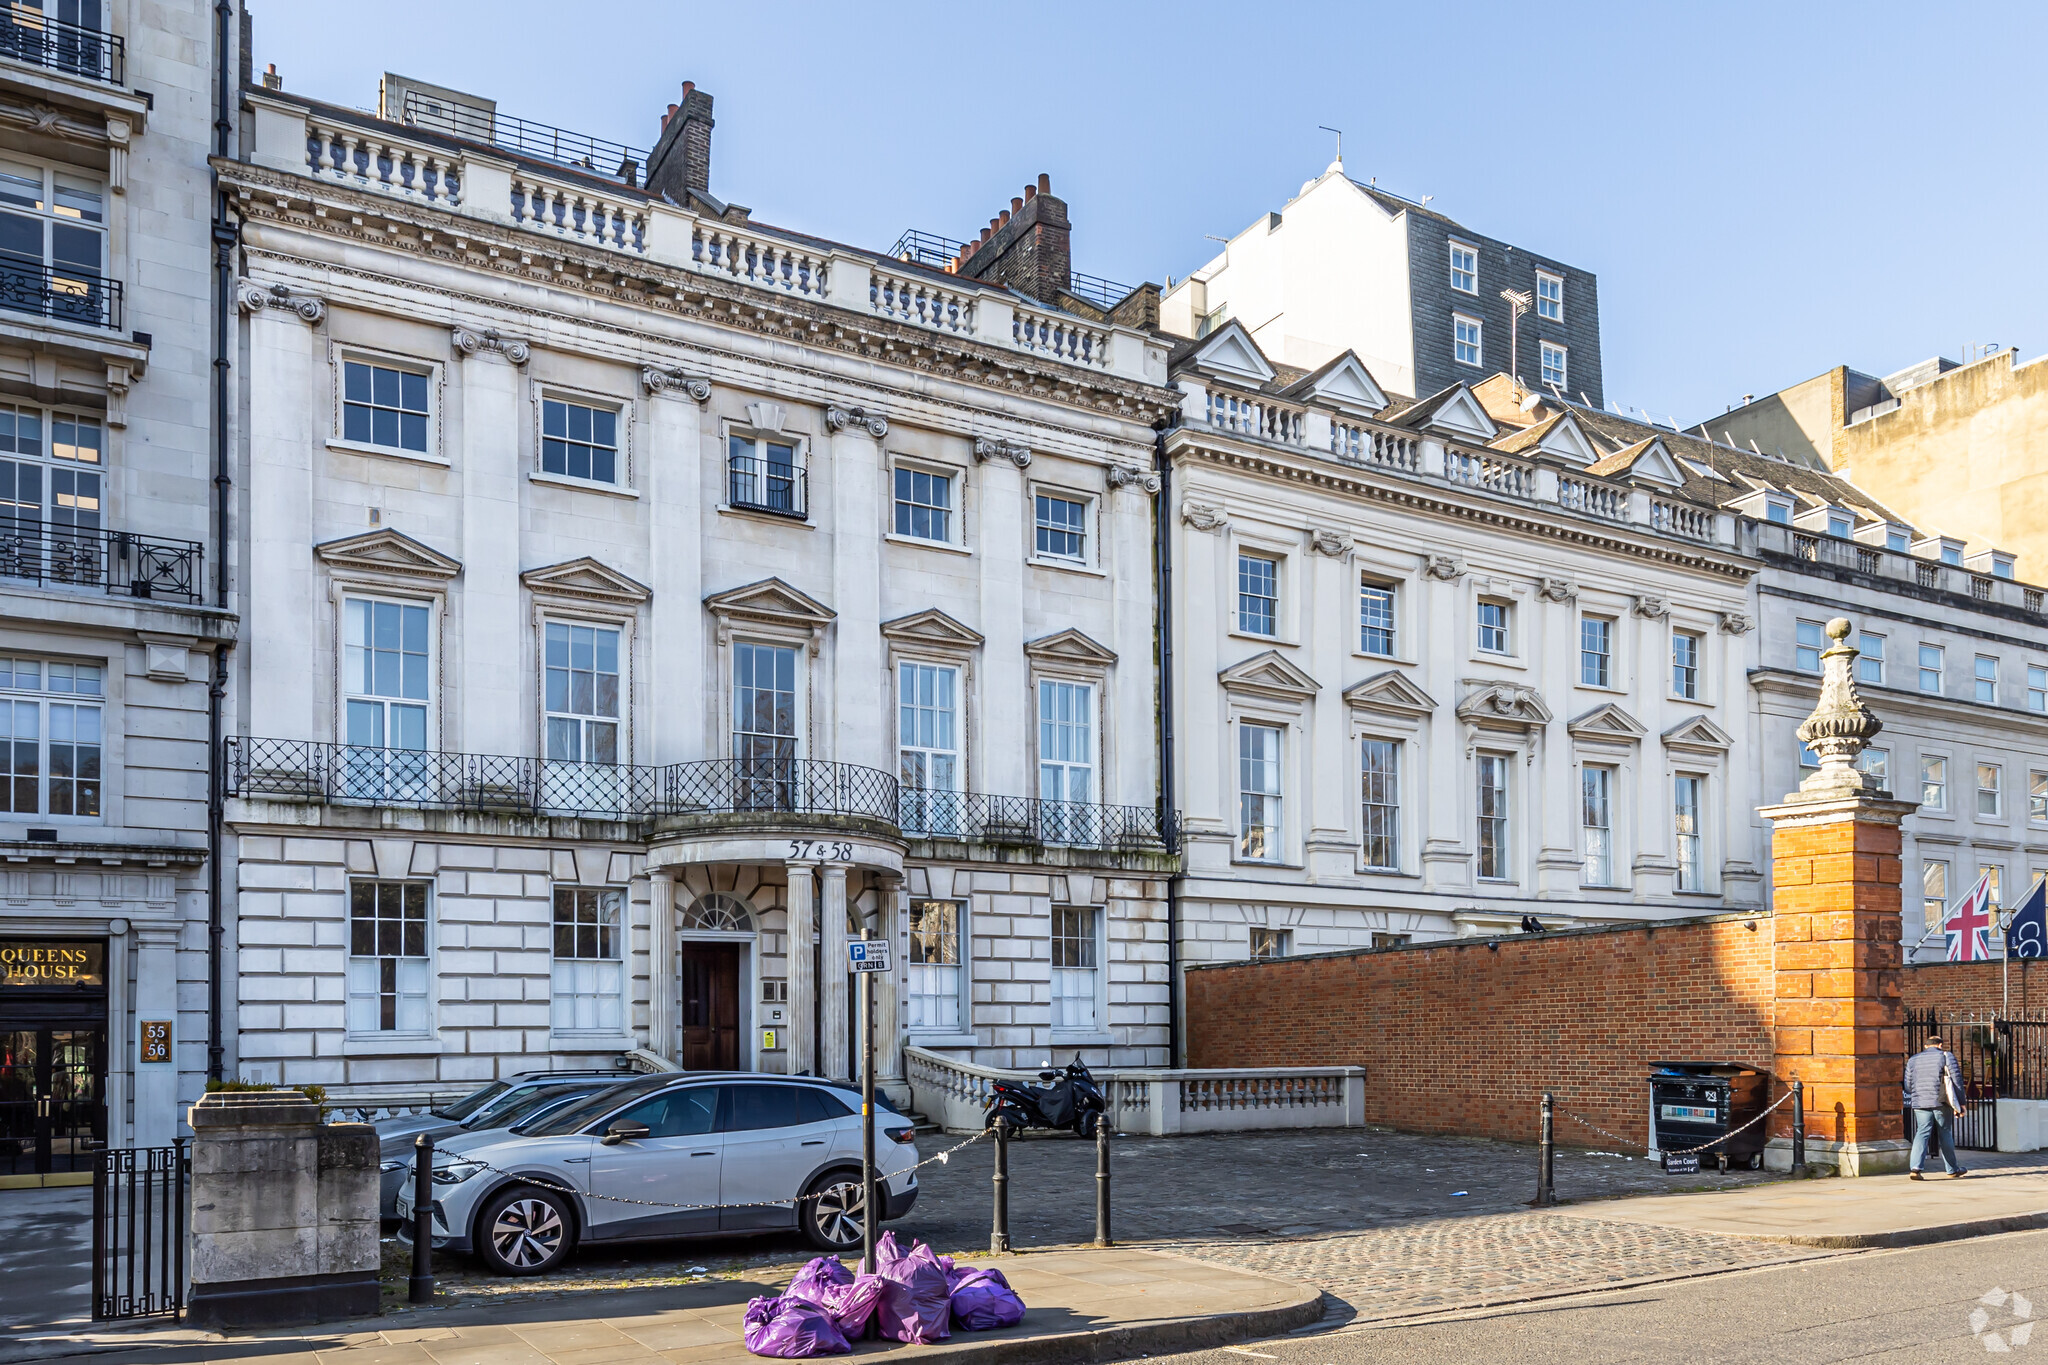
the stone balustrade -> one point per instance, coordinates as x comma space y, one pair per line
492, 184
954, 1094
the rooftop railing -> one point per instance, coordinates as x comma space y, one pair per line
577, 150
767, 784
1821, 549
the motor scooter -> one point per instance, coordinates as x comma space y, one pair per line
1070, 1100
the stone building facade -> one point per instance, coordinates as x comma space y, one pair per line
651, 601
111, 615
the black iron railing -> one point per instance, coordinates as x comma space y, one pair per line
60, 292
766, 486
1028, 821
927, 249
28, 35
344, 774
120, 563
1104, 294
138, 1232
613, 159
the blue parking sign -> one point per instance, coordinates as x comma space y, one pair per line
868, 955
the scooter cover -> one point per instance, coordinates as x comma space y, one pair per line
1056, 1102
792, 1329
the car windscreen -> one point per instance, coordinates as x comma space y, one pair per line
522, 1105
470, 1103
588, 1110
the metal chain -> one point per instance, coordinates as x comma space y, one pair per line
1686, 1151
538, 1183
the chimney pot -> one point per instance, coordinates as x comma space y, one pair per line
1030, 193
1044, 183
1016, 205
1004, 217
688, 86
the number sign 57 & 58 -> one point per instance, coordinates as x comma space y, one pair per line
822, 850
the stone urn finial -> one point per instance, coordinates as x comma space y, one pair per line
1841, 726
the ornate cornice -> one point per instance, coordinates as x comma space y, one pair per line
839, 419
1546, 522
656, 380
421, 231
470, 342
252, 297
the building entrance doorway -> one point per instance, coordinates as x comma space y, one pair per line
711, 1006
53, 1113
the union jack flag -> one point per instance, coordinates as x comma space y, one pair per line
1969, 928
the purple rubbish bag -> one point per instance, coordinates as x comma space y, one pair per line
983, 1300
916, 1300
852, 1304
816, 1277
887, 1252
793, 1329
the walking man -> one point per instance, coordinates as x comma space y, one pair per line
1934, 1089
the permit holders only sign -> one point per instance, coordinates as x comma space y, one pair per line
868, 955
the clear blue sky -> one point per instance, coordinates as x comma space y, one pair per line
1763, 190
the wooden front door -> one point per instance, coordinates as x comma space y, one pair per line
711, 1007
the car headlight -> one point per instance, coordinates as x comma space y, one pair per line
388, 1167
455, 1172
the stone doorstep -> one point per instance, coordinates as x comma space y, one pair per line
1083, 1306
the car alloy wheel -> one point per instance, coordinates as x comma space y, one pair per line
526, 1232
835, 1215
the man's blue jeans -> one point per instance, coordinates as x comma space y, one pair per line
1942, 1122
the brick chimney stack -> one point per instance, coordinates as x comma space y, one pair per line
1027, 246
681, 160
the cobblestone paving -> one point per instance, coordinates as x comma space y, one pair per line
1386, 1222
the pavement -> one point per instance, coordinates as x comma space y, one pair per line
45, 1260
1911, 1306
1108, 1304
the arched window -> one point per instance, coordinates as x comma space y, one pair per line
719, 913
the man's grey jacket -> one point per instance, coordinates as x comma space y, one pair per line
1923, 1077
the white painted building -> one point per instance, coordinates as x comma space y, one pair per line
1434, 672
647, 601
109, 615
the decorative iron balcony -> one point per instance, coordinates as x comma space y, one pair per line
120, 562
28, 35
1027, 821
63, 293
352, 774
766, 486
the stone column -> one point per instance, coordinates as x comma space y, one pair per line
856, 687
283, 434
1837, 1021
832, 999
492, 699
803, 986
663, 996
1007, 706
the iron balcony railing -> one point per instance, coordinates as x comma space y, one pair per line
595, 154
28, 35
119, 563
766, 486
61, 292
353, 774
1104, 294
1028, 821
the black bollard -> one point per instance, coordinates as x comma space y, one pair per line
1102, 1238
1798, 1128
420, 1289
999, 1231
1546, 1190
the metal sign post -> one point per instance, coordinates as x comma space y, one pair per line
865, 957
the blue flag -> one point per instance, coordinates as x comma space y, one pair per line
2026, 935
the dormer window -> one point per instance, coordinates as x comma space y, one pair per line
1778, 510
1898, 538
1841, 525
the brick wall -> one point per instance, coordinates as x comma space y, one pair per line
1461, 1038
1976, 988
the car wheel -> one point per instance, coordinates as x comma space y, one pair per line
525, 1231
833, 1214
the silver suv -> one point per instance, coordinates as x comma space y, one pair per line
497, 1105
667, 1157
